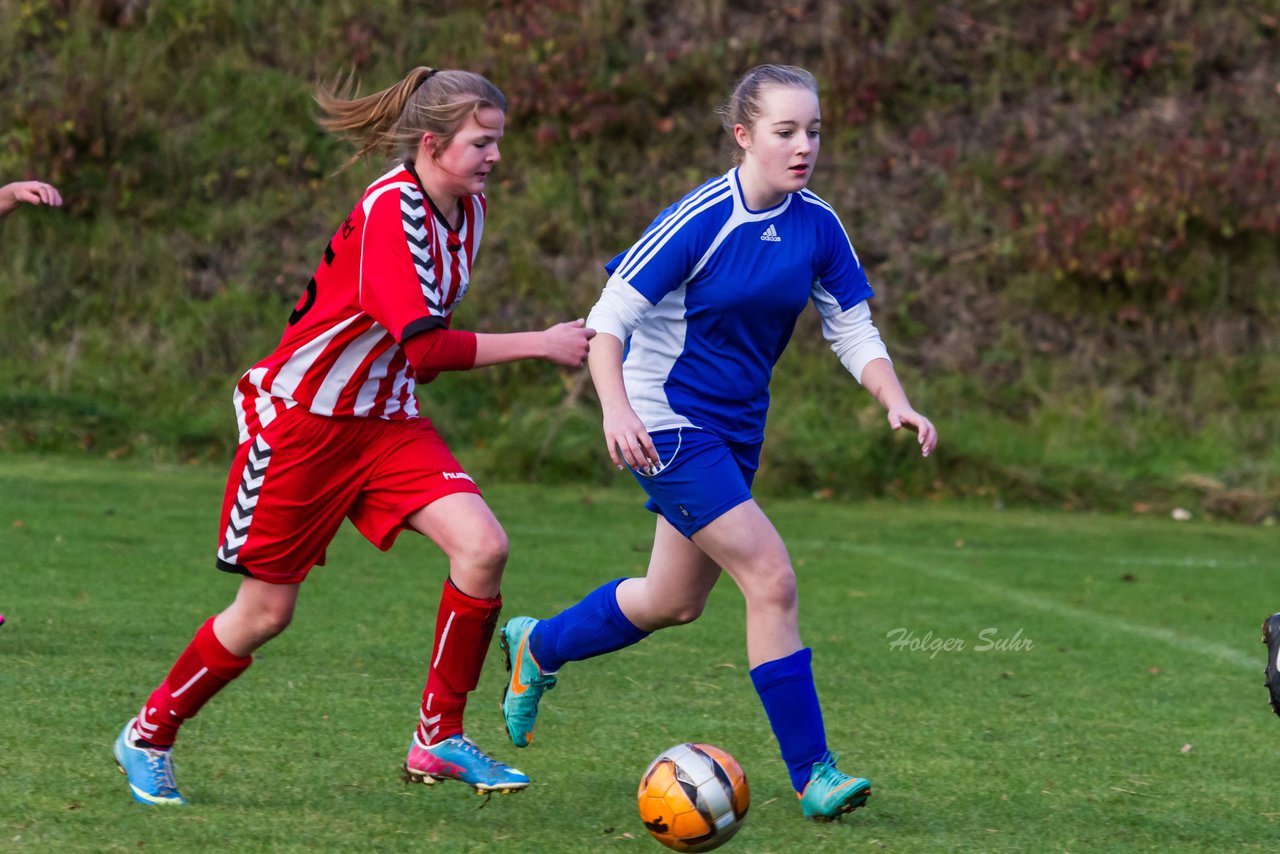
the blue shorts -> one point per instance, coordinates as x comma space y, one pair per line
701, 477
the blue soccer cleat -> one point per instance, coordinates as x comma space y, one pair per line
526, 683
829, 794
458, 758
149, 771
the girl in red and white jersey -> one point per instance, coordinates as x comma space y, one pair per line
330, 428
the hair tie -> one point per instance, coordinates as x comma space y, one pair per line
433, 72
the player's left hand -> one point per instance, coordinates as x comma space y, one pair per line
926, 434
566, 343
35, 193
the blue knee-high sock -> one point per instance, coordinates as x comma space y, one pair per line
790, 699
592, 627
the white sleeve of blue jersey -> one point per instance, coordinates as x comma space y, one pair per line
619, 309
853, 336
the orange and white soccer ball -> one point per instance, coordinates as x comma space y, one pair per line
693, 797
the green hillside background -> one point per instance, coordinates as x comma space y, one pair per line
1070, 212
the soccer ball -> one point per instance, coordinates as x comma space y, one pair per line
693, 797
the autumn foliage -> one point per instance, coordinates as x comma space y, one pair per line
1070, 211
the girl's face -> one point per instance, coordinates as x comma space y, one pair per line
462, 168
780, 151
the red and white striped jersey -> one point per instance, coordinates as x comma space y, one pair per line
393, 269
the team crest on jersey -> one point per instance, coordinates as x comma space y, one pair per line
771, 234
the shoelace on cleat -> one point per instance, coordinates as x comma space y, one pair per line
161, 769
474, 749
827, 772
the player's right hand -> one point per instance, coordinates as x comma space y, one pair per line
627, 440
566, 343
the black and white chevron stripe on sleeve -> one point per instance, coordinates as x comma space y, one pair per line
417, 231
255, 472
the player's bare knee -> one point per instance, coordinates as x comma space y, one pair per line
775, 588
686, 612
485, 554
273, 619
663, 611
492, 550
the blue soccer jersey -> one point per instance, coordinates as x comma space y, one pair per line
724, 286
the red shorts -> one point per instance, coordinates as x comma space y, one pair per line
291, 486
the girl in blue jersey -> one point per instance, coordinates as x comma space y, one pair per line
689, 327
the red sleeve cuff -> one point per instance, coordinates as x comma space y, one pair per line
438, 350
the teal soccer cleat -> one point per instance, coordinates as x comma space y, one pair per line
458, 758
829, 794
527, 682
149, 771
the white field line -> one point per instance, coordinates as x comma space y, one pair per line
974, 549
1181, 640
979, 550
1056, 607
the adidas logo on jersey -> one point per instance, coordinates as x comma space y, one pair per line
771, 234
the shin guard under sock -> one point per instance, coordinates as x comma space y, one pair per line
464, 628
202, 670
790, 700
592, 627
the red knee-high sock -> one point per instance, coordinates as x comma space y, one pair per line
202, 670
464, 627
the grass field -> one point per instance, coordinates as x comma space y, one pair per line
1125, 711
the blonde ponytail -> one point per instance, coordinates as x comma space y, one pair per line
427, 100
